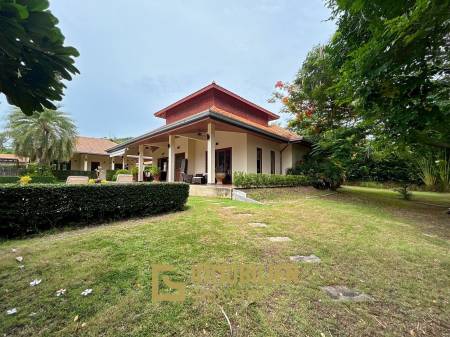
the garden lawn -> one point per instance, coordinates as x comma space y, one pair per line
393, 250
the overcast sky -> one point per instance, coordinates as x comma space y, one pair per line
139, 56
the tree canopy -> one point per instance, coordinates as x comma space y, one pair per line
378, 93
393, 64
33, 59
43, 137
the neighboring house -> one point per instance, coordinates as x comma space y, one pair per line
13, 158
90, 153
215, 131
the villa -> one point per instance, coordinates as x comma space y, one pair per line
214, 132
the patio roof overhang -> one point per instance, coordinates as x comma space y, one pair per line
197, 123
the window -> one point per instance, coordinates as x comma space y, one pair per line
258, 160
272, 162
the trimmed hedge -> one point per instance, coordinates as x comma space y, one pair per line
43, 180
62, 175
31, 208
9, 180
249, 180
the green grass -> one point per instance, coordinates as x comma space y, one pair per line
368, 239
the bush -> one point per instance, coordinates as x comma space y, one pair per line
62, 175
30, 208
121, 171
252, 180
9, 180
322, 174
110, 174
43, 180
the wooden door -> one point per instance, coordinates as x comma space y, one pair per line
178, 160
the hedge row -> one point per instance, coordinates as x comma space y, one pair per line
249, 180
34, 180
62, 175
31, 208
9, 180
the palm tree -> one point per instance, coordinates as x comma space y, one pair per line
43, 137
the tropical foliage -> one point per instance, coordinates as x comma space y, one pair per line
377, 95
44, 137
33, 59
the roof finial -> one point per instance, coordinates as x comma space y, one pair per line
213, 82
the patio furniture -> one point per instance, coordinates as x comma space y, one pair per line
220, 176
77, 180
186, 178
199, 179
124, 178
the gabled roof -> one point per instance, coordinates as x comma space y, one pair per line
214, 86
91, 145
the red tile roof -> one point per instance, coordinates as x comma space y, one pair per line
274, 129
13, 156
91, 145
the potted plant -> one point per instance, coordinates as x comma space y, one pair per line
154, 172
135, 172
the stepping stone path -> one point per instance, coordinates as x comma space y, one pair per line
257, 224
342, 293
279, 239
308, 258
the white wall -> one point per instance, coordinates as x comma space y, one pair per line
266, 145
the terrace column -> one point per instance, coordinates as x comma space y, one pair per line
141, 163
85, 162
112, 163
171, 160
211, 153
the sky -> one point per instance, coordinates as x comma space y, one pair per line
137, 57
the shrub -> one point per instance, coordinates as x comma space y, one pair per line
30, 208
443, 172
153, 170
110, 174
62, 175
25, 180
404, 192
323, 173
252, 180
427, 172
43, 180
121, 171
9, 180
35, 169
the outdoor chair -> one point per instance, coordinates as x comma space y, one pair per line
77, 180
199, 179
186, 178
124, 178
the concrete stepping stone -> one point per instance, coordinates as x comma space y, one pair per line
244, 214
302, 258
279, 239
342, 293
257, 224
229, 207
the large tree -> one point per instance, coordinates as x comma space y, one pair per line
43, 137
33, 59
393, 64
